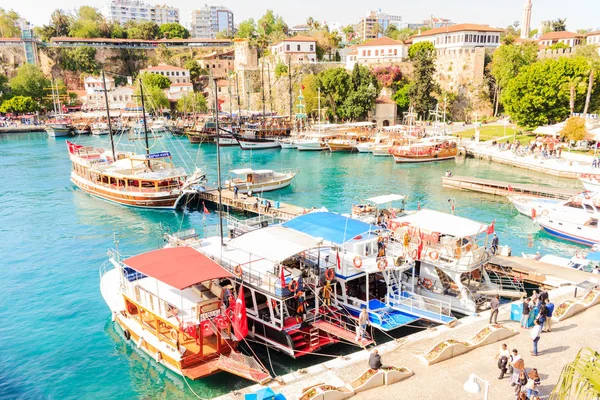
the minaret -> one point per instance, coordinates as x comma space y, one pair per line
526, 24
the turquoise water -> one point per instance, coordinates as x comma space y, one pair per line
57, 340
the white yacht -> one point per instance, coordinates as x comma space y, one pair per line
572, 225
313, 142
450, 256
100, 129
590, 182
261, 180
584, 203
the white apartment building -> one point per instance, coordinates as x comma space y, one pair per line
118, 97
378, 51
178, 90
175, 74
593, 38
210, 20
301, 49
460, 37
570, 39
374, 23
122, 11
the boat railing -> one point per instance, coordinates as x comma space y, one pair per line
247, 225
416, 303
447, 256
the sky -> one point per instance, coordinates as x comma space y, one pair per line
580, 14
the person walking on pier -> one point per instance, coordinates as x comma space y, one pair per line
495, 242
503, 357
494, 305
525, 313
549, 312
518, 365
235, 192
535, 336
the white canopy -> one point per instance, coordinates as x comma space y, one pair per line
274, 243
553, 130
446, 224
388, 198
245, 171
595, 134
359, 124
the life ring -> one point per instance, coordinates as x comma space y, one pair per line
545, 212
206, 329
221, 322
191, 331
427, 283
435, 237
127, 334
174, 335
434, 255
357, 262
293, 286
413, 254
382, 264
329, 274
131, 309
238, 271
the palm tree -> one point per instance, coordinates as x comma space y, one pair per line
574, 83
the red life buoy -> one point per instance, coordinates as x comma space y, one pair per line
131, 309
293, 286
221, 322
434, 255
191, 331
357, 262
206, 329
427, 283
329, 274
382, 264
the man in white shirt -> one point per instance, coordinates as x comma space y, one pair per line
535, 336
502, 357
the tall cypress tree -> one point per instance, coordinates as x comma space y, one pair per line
423, 86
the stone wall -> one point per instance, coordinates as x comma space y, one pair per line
556, 53
11, 58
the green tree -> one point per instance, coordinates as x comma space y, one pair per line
155, 80
9, 24
86, 23
362, 95
574, 84
19, 104
30, 82
311, 97
246, 29
59, 26
335, 85
4, 88
590, 53
559, 25
173, 30
225, 34
558, 46
196, 71
423, 87
80, 59
156, 99
348, 32
164, 54
401, 96
145, 30
574, 129
280, 69
539, 94
392, 31
192, 102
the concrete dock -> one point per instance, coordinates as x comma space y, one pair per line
500, 188
445, 379
249, 204
563, 167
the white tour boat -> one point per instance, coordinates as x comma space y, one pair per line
583, 203
261, 180
590, 182
100, 129
572, 225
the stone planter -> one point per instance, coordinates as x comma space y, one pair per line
396, 374
368, 380
322, 391
451, 348
591, 298
568, 308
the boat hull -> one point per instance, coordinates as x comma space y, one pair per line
58, 131
311, 146
591, 185
347, 148
100, 132
255, 144
400, 159
269, 187
567, 236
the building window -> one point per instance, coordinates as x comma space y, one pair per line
369, 53
287, 47
312, 47
376, 53
298, 47
364, 53
395, 52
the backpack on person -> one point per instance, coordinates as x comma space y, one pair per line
522, 379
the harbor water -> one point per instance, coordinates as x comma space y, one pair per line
57, 340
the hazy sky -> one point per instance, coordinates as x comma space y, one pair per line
580, 14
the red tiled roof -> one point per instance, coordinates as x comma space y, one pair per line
182, 84
163, 68
560, 35
9, 39
300, 38
382, 41
594, 33
179, 267
459, 28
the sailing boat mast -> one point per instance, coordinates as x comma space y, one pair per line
219, 188
110, 131
144, 119
262, 84
319, 100
290, 84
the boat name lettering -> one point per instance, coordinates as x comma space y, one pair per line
293, 327
211, 314
162, 154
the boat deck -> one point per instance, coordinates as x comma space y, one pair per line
201, 370
249, 204
340, 332
500, 188
536, 272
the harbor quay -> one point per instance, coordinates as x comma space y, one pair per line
447, 378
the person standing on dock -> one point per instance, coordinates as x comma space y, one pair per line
495, 243
495, 306
363, 319
503, 357
235, 192
525, 313
535, 336
549, 312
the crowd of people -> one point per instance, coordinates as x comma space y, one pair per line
544, 150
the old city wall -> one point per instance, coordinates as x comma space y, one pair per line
11, 57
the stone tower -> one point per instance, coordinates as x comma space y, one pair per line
526, 24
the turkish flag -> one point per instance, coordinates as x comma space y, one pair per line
490, 228
337, 259
240, 323
73, 147
204, 209
282, 276
420, 246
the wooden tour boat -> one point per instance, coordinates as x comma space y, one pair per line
170, 303
425, 152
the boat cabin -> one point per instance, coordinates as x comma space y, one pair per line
378, 210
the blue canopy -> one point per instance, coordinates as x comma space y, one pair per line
331, 227
264, 394
593, 256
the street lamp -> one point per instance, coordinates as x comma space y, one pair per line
471, 386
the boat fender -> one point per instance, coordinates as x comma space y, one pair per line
238, 271
434, 255
357, 262
427, 283
329, 274
126, 334
382, 264
174, 335
293, 286
545, 212
140, 342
